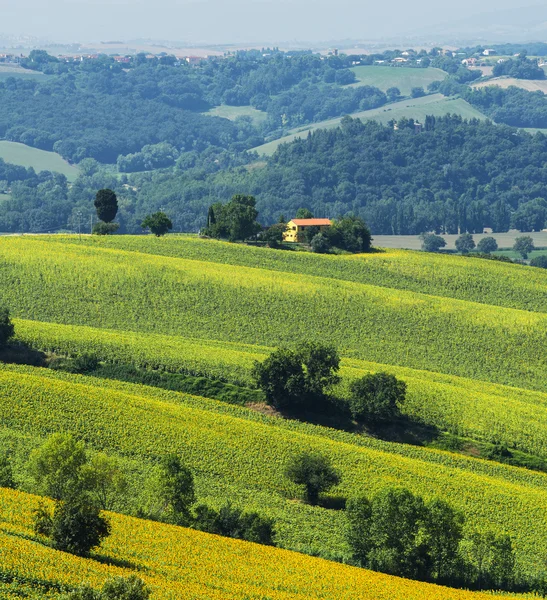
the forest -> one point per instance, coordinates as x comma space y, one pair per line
455, 175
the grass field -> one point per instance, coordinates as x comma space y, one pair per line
404, 78
529, 85
16, 71
181, 564
416, 108
233, 112
40, 160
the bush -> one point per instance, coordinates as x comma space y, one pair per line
314, 472
377, 398
539, 261
232, 522
6, 472
351, 234
117, 588
101, 228
417, 92
176, 490
487, 245
273, 236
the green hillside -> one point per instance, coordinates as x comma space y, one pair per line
415, 108
39, 160
139, 424
463, 334
404, 78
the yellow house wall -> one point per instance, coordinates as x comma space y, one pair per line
295, 233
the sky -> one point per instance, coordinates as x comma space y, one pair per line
231, 21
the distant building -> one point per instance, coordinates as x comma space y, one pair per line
469, 62
488, 52
297, 227
193, 60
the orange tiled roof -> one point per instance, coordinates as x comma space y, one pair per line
311, 222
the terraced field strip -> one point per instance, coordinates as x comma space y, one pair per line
481, 410
183, 564
127, 291
242, 456
404, 78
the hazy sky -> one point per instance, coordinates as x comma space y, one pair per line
230, 21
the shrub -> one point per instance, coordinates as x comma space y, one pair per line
6, 472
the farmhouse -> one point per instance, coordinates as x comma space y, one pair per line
297, 227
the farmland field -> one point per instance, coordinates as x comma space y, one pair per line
404, 78
183, 564
462, 333
16, 71
39, 160
416, 108
35, 402
233, 112
529, 85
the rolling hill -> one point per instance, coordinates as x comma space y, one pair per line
183, 564
464, 335
416, 108
404, 78
39, 160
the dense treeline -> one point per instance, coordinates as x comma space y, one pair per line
453, 176
97, 109
519, 67
513, 106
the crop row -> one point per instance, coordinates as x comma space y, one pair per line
240, 455
463, 406
127, 291
488, 282
188, 565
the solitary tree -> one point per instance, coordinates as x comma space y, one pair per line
158, 223
176, 489
106, 204
377, 397
524, 245
432, 242
313, 471
6, 327
465, 243
487, 245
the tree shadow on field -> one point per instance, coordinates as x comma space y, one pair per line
117, 562
332, 502
20, 353
404, 430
